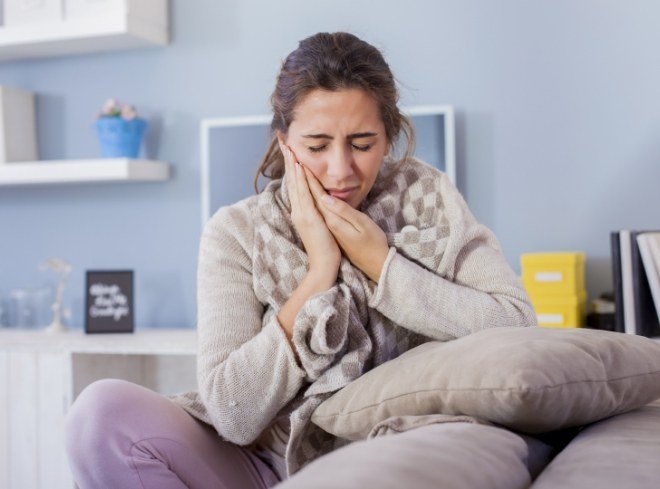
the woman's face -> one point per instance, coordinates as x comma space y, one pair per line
341, 138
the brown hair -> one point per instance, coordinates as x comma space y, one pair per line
333, 61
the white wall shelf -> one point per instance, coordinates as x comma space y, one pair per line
120, 31
83, 171
144, 341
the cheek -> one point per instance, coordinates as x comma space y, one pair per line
316, 166
369, 166
312, 161
315, 163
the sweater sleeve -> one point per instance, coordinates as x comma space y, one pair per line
474, 288
320, 331
246, 369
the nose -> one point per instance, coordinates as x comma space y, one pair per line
340, 164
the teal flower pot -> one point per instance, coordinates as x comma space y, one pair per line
120, 138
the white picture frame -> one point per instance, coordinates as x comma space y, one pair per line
224, 152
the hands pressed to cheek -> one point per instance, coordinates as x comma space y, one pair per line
363, 242
323, 252
295, 178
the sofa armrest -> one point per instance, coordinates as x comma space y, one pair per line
621, 451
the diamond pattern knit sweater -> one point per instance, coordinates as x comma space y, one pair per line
444, 277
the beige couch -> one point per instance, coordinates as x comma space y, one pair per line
619, 452
502, 408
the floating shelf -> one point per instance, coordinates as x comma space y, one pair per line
92, 35
147, 341
82, 171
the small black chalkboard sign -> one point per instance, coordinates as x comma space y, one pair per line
109, 301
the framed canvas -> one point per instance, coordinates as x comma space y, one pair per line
109, 301
232, 148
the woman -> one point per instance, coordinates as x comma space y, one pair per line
346, 259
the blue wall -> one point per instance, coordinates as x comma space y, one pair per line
558, 128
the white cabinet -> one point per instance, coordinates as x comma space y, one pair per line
42, 374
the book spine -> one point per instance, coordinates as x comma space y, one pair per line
654, 242
627, 283
616, 280
652, 268
646, 320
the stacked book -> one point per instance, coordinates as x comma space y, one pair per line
556, 286
636, 276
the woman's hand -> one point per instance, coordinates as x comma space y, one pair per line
363, 242
322, 250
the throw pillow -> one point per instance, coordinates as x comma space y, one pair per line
532, 380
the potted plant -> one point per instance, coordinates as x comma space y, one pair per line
119, 129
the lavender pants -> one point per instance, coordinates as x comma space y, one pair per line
123, 435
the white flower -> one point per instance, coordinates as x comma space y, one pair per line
114, 108
110, 107
128, 112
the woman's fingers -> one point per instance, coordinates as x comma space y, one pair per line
304, 193
286, 162
295, 179
337, 216
316, 190
290, 175
299, 192
314, 185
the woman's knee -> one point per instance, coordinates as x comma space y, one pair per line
106, 420
94, 416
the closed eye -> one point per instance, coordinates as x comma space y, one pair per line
318, 149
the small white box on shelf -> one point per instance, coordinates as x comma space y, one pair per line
18, 133
20, 12
153, 11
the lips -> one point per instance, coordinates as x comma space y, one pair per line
343, 194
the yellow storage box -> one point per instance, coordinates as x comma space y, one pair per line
553, 273
561, 311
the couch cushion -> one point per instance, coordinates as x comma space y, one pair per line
532, 380
622, 451
449, 456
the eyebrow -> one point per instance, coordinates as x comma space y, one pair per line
355, 135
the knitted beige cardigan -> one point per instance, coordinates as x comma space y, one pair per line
444, 277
